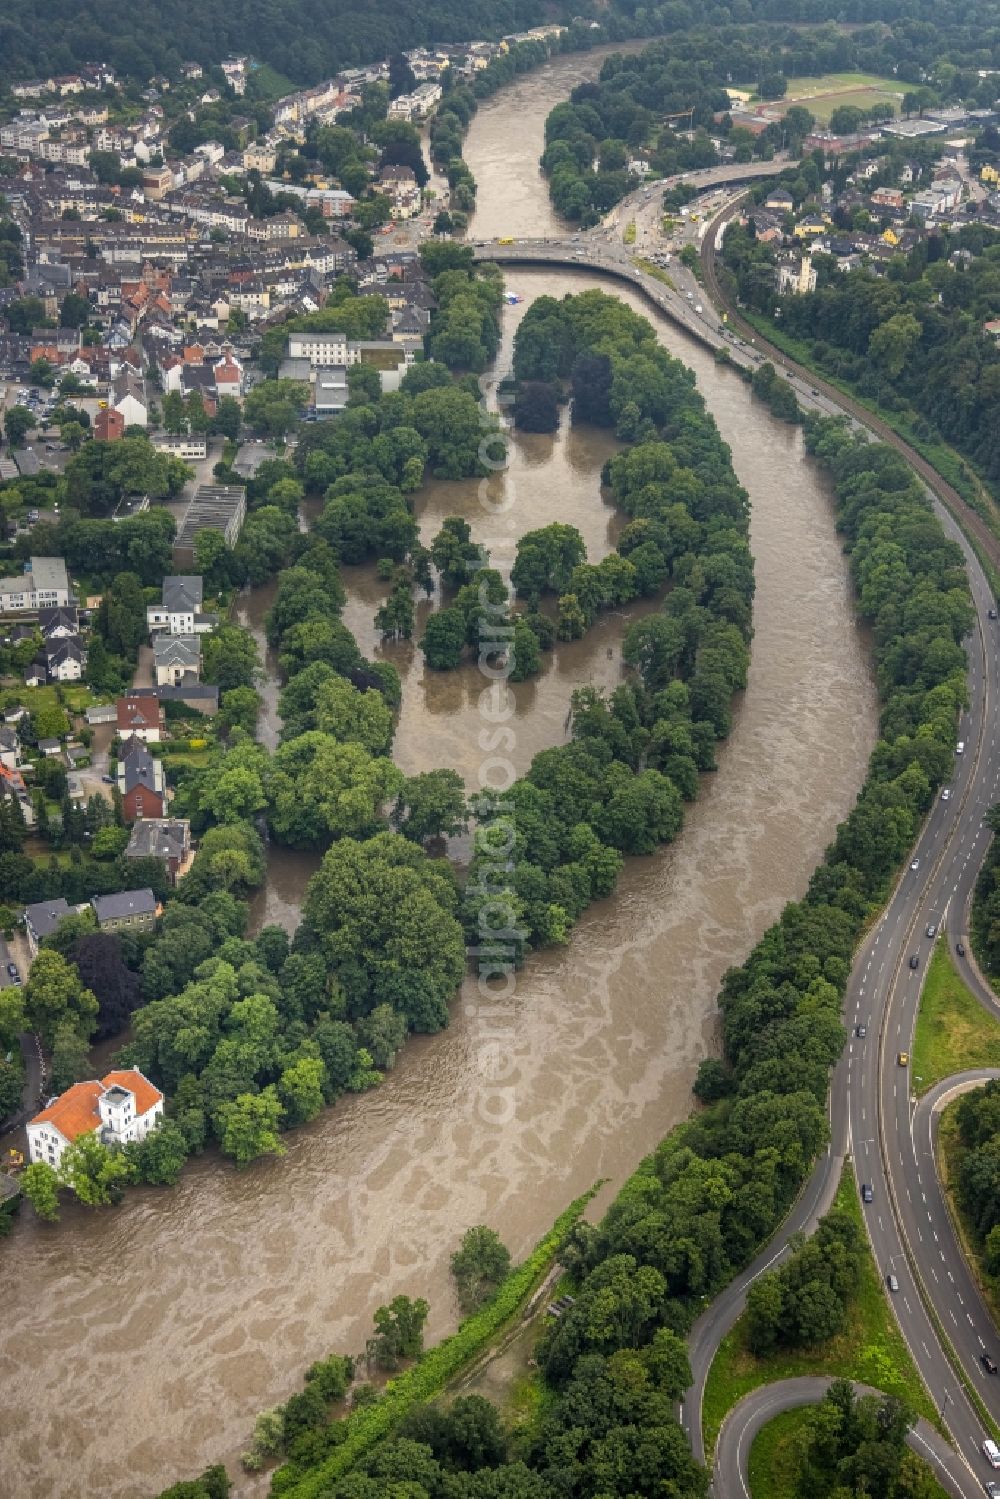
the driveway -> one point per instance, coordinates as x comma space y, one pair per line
144, 668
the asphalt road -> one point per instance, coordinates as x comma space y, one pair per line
744, 1421
938, 1309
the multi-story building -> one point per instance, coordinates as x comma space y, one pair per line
123, 1106
125, 911
42, 585
141, 783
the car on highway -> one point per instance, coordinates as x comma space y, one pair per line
892, 1282
867, 1195
931, 929
915, 864
914, 961
861, 1031
960, 747
902, 1059
992, 613
992, 1489
991, 1452
988, 1362
946, 794
960, 949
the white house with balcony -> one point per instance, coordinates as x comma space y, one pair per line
122, 1107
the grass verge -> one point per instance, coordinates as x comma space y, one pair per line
773, 1463
656, 271
429, 1376
628, 237
953, 1031
871, 1349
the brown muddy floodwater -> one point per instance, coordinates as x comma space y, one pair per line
138, 1345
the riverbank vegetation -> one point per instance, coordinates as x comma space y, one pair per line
823, 1311
701, 1205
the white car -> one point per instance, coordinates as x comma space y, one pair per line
915, 864
946, 794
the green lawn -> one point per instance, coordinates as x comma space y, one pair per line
76, 697
953, 1031
656, 271
871, 1349
773, 1467
821, 96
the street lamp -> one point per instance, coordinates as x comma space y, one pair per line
944, 1402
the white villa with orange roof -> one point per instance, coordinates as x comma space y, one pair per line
123, 1106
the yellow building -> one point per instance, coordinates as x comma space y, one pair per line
990, 174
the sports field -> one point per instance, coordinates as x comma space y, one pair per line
821, 96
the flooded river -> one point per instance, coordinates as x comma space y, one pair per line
138, 1345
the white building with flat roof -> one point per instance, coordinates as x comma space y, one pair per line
42, 585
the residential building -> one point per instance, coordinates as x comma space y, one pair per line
139, 718
179, 612
176, 659
165, 838
797, 276
42, 918
125, 911
157, 182
42, 585
128, 397
331, 389
10, 748
109, 425
60, 623
65, 660
123, 1106
141, 783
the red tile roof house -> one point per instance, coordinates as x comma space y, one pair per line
109, 425
121, 1107
141, 717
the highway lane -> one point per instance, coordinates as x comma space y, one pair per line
755, 1410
